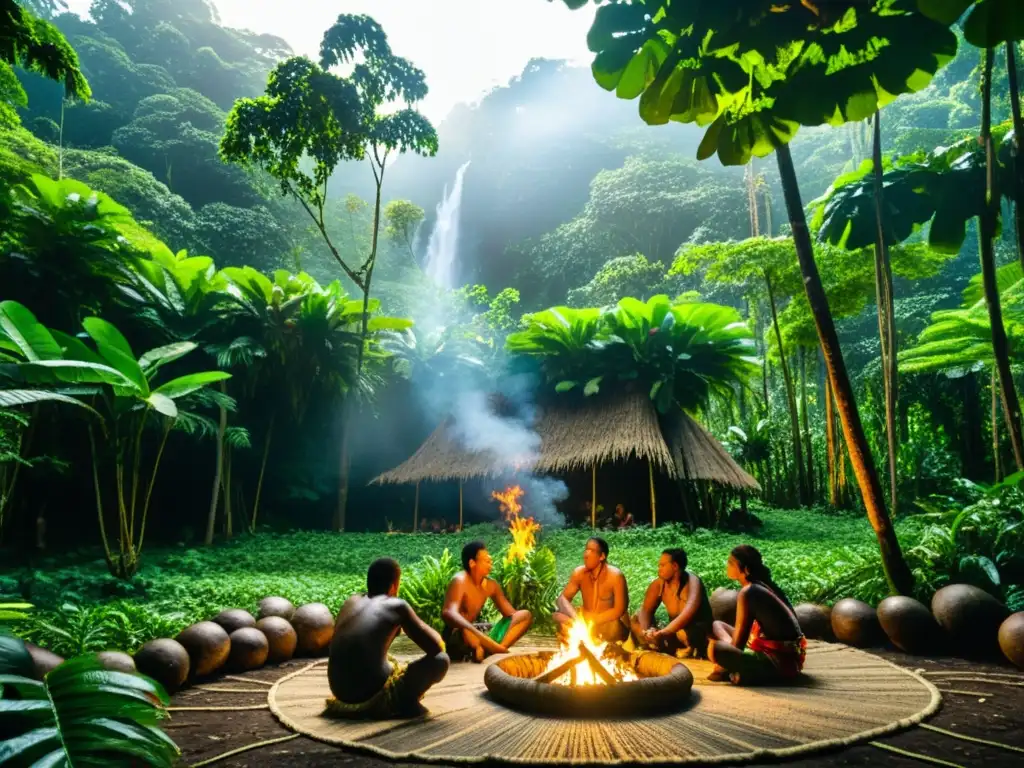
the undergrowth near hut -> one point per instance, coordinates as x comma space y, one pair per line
82, 608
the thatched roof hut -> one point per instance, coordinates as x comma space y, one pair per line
578, 434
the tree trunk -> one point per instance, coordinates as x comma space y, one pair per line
808, 445
997, 461
352, 397
986, 235
211, 520
794, 417
897, 574
886, 318
229, 530
1018, 138
263, 469
830, 448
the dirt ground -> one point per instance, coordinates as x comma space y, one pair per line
983, 710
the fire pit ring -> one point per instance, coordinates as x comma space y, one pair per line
664, 685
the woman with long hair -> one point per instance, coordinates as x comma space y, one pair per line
766, 645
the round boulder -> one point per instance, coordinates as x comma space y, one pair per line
276, 606
723, 604
815, 621
43, 660
164, 660
855, 623
116, 661
314, 626
1011, 638
249, 649
234, 618
909, 624
281, 638
208, 646
971, 618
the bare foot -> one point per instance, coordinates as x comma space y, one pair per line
718, 675
478, 654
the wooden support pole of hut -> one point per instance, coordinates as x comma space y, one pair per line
593, 496
460, 504
654, 504
416, 510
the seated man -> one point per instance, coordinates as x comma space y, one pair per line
467, 594
365, 681
686, 601
767, 644
623, 519
605, 597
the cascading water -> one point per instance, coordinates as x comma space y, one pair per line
443, 246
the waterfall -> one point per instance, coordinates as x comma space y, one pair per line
443, 246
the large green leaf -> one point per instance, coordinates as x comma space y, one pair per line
115, 349
944, 11
9, 398
82, 714
993, 22
163, 404
57, 372
152, 361
31, 337
186, 385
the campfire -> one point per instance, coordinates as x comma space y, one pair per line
523, 529
582, 661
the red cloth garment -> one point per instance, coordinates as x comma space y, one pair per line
788, 656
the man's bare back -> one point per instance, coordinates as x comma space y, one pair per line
363, 634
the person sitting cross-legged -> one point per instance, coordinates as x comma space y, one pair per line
467, 594
767, 644
686, 602
365, 680
605, 596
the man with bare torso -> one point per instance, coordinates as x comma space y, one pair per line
686, 602
365, 681
467, 594
605, 596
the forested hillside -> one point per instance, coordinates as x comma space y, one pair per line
568, 199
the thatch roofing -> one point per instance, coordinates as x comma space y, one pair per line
697, 455
576, 434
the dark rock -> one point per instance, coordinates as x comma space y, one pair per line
281, 638
164, 660
208, 646
971, 618
234, 618
1011, 638
815, 621
43, 661
314, 626
855, 623
276, 606
249, 649
116, 661
909, 624
723, 604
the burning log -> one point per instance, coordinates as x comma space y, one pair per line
597, 666
553, 674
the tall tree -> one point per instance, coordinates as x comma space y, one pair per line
754, 75
310, 116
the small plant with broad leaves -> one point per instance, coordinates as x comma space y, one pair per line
530, 584
79, 714
425, 585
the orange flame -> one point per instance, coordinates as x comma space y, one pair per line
580, 632
523, 529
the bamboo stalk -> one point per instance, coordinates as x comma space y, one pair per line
416, 510
460, 504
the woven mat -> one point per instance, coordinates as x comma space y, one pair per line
848, 696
